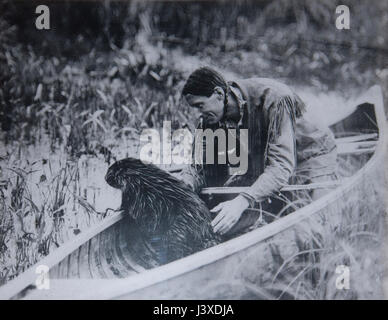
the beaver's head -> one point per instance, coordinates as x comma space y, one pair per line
145, 186
126, 171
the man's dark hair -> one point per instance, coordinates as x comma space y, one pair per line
203, 81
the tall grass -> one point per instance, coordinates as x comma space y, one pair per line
42, 206
95, 99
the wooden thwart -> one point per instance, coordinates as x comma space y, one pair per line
355, 138
357, 147
294, 187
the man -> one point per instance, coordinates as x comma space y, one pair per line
282, 146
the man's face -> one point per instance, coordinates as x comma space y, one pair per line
211, 108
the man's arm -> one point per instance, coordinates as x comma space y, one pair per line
280, 166
193, 175
280, 162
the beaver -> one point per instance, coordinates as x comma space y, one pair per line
172, 219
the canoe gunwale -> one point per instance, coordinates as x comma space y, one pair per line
182, 266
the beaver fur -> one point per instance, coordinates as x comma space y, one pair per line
172, 219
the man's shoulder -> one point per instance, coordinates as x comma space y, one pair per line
258, 85
270, 92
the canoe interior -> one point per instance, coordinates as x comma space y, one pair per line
114, 253
362, 121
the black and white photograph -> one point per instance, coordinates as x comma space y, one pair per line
193, 150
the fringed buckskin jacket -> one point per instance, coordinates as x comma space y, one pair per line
283, 147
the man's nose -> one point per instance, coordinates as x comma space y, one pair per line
197, 113
205, 109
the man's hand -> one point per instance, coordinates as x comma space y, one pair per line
229, 213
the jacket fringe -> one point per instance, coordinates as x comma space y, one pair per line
294, 107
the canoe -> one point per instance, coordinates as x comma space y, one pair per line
106, 262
